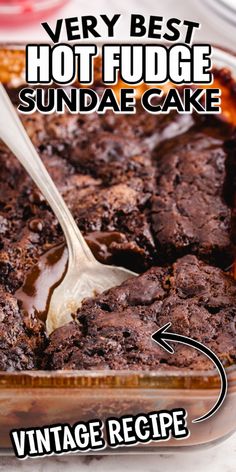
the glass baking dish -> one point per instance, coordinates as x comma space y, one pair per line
38, 398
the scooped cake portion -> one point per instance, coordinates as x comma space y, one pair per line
113, 330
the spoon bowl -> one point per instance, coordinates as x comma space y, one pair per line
85, 276
78, 285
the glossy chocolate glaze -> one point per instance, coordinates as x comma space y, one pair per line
41, 280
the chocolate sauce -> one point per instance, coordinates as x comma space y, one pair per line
100, 243
40, 281
45, 276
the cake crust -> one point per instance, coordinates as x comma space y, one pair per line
113, 330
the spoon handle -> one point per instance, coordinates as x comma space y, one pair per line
13, 133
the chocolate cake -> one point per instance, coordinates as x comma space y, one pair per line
189, 214
22, 336
114, 329
149, 192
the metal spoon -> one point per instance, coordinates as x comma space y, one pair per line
85, 275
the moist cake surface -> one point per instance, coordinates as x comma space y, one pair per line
22, 336
114, 329
145, 190
189, 213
